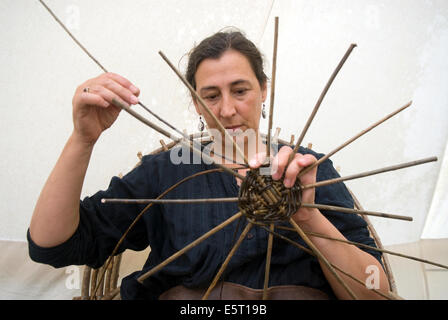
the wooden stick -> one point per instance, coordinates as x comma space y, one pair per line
204, 105
368, 247
188, 247
155, 127
210, 160
100, 65
164, 146
85, 282
319, 101
369, 173
379, 249
268, 262
355, 211
168, 201
226, 262
94, 287
167, 134
115, 250
271, 108
116, 270
321, 258
352, 139
390, 296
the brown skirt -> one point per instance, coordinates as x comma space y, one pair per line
233, 291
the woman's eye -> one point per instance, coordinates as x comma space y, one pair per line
240, 91
211, 97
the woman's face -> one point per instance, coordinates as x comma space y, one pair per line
230, 89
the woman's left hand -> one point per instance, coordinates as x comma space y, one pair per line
298, 163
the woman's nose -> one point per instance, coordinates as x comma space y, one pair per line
227, 109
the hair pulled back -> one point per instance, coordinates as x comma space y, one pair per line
214, 46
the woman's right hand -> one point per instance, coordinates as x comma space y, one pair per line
93, 111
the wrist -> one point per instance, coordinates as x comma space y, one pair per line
80, 141
312, 222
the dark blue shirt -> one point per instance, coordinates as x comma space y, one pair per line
167, 228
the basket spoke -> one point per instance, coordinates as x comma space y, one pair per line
353, 139
169, 201
189, 246
321, 258
380, 250
271, 107
137, 218
268, 262
204, 105
369, 173
319, 101
355, 211
227, 260
167, 134
292, 242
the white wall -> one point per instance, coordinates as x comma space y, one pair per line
401, 56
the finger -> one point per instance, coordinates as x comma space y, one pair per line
280, 162
90, 98
292, 171
124, 93
305, 161
124, 82
298, 163
107, 95
257, 160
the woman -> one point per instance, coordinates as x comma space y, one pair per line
226, 70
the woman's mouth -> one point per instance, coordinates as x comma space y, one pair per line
233, 127
234, 130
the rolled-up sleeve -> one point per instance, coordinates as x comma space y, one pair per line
101, 225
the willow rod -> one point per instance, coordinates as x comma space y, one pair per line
355, 211
189, 246
358, 244
319, 101
379, 249
271, 108
105, 70
369, 173
204, 105
322, 258
115, 250
100, 65
280, 236
227, 260
307, 169
168, 201
268, 262
167, 134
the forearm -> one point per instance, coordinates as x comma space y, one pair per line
348, 258
56, 214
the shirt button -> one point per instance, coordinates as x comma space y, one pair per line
249, 236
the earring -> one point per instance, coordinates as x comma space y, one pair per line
201, 125
263, 111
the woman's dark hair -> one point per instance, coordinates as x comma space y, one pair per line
214, 46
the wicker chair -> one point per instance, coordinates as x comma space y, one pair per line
109, 282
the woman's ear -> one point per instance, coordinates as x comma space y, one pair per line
196, 105
264, 91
